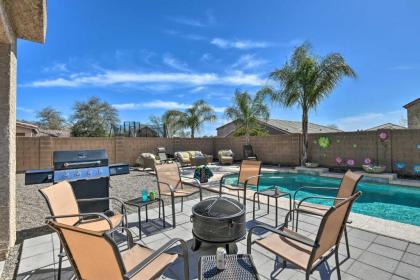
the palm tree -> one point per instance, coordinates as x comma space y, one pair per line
305, 80
168, 124
195, 116
246, 111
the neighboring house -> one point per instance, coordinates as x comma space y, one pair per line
31, 130
386, 126
26, 129
275, 127
413, 114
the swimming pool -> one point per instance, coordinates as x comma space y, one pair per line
390, 202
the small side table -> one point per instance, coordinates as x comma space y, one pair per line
139, 203
237, 267
271, 194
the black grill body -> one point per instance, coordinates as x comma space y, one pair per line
88, 173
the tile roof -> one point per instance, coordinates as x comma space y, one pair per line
387, 126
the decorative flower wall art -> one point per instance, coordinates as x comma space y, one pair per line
416, 169
350, 162
367, 161
400, 165
324, 142
338, 160
383, 136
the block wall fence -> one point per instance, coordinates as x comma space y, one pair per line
399, 150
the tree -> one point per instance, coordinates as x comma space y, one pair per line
93, 118
246, 112
305, 80
169, 124
49, 118
195, 116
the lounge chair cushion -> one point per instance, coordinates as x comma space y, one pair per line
290, 250
101, 224
138, 253
226, 153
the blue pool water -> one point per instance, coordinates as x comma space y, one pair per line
390, 202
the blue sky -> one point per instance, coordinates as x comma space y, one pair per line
145, 57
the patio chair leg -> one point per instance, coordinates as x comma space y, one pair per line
297, 221
173, 212
268, 205
259, 206
337, 264
253, 207
182, 204
60, 260
239, 198
159, 208
284, 263
347, 242
308, 274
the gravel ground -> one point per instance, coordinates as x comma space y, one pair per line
32, 208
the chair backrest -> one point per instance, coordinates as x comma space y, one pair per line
61, 201
169, 174
248, 151
348, 185
161, 152
248, 169
332, 225
93, 254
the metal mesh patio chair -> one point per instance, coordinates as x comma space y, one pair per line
302, 251
347, 188
170, 184
63, 205
95, 255
249, 174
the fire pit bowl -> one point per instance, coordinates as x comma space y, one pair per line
218, 220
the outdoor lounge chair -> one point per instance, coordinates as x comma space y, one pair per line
249, 174
347, 188
63, 205
147, 160
302, 251
249, 153
163, 157
95, 255
225, 157
170, 184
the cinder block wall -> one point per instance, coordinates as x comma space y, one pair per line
401, 146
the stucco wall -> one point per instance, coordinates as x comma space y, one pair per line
413, 116
401, 146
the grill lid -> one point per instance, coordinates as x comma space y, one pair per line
218, 207
79, 159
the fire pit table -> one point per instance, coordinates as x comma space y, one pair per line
218, 220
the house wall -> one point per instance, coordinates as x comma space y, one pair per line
24, 131
413, 116
400, 146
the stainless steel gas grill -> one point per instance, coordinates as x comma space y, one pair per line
88, 173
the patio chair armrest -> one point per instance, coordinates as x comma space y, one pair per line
169, 186
297, 238
81, 216
130, 274
311, 188
319, 197
195, 184
123, 208
256, 176
130, 234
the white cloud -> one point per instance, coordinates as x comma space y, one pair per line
238, 44
369, 120
25, 110
206, 57
197, 89
108, 78
157, 104
188, 21
171, 61
248, 61
56, 67
160, 104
